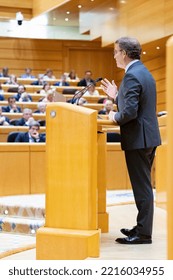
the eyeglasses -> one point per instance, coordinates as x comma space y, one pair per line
117, 51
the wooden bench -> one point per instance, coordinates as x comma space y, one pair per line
24, 81
22, 105
60, 89
36, 97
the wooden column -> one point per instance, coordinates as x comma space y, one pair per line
169, 89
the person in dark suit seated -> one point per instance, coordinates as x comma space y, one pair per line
3, 120
32, 136
40, 81
22, 95
86, 80
63, 82
26, 119
2, 97
1, 93
5, 72
12, 107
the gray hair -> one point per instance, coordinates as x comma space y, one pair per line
27, 110
34, 123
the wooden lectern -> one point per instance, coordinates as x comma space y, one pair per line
75, 184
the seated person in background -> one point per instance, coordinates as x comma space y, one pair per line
32, 136
3, 120
108, 106
1, 93
45, 88
26, 119
48, 75
22, 95
72, 75
91, 91
63, 81
12, 107
49, 96
27, 74
86, 80
12, 80
41, 108
40, 81
5, 72
25, 97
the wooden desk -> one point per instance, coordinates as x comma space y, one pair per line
20, 115
22, 168
25, 81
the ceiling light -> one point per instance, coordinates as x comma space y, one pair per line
158, 48
66, 19
144, 52
79, 6
68, 12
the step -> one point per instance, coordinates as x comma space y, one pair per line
20, 225
29, 206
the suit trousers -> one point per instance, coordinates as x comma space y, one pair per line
139, 163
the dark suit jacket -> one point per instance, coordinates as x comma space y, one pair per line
20, 122
24, 137
136, 115
8, 108
83, 83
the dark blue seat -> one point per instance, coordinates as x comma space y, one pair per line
12, 136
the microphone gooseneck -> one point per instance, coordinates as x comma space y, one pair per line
81, 92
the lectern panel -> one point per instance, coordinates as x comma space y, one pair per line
71, 151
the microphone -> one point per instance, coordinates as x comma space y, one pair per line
81, 92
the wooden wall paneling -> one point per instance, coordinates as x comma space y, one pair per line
159, 74
55, 54
155, 63
161, 85
161, 107
161, 97
37, 54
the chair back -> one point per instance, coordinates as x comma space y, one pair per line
12, 136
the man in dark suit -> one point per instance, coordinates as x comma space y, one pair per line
12, 107
86, 80
32, 136
136, 102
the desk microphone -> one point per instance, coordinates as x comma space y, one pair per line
81, 92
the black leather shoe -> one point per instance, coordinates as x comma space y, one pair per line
135, 239
128, 232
